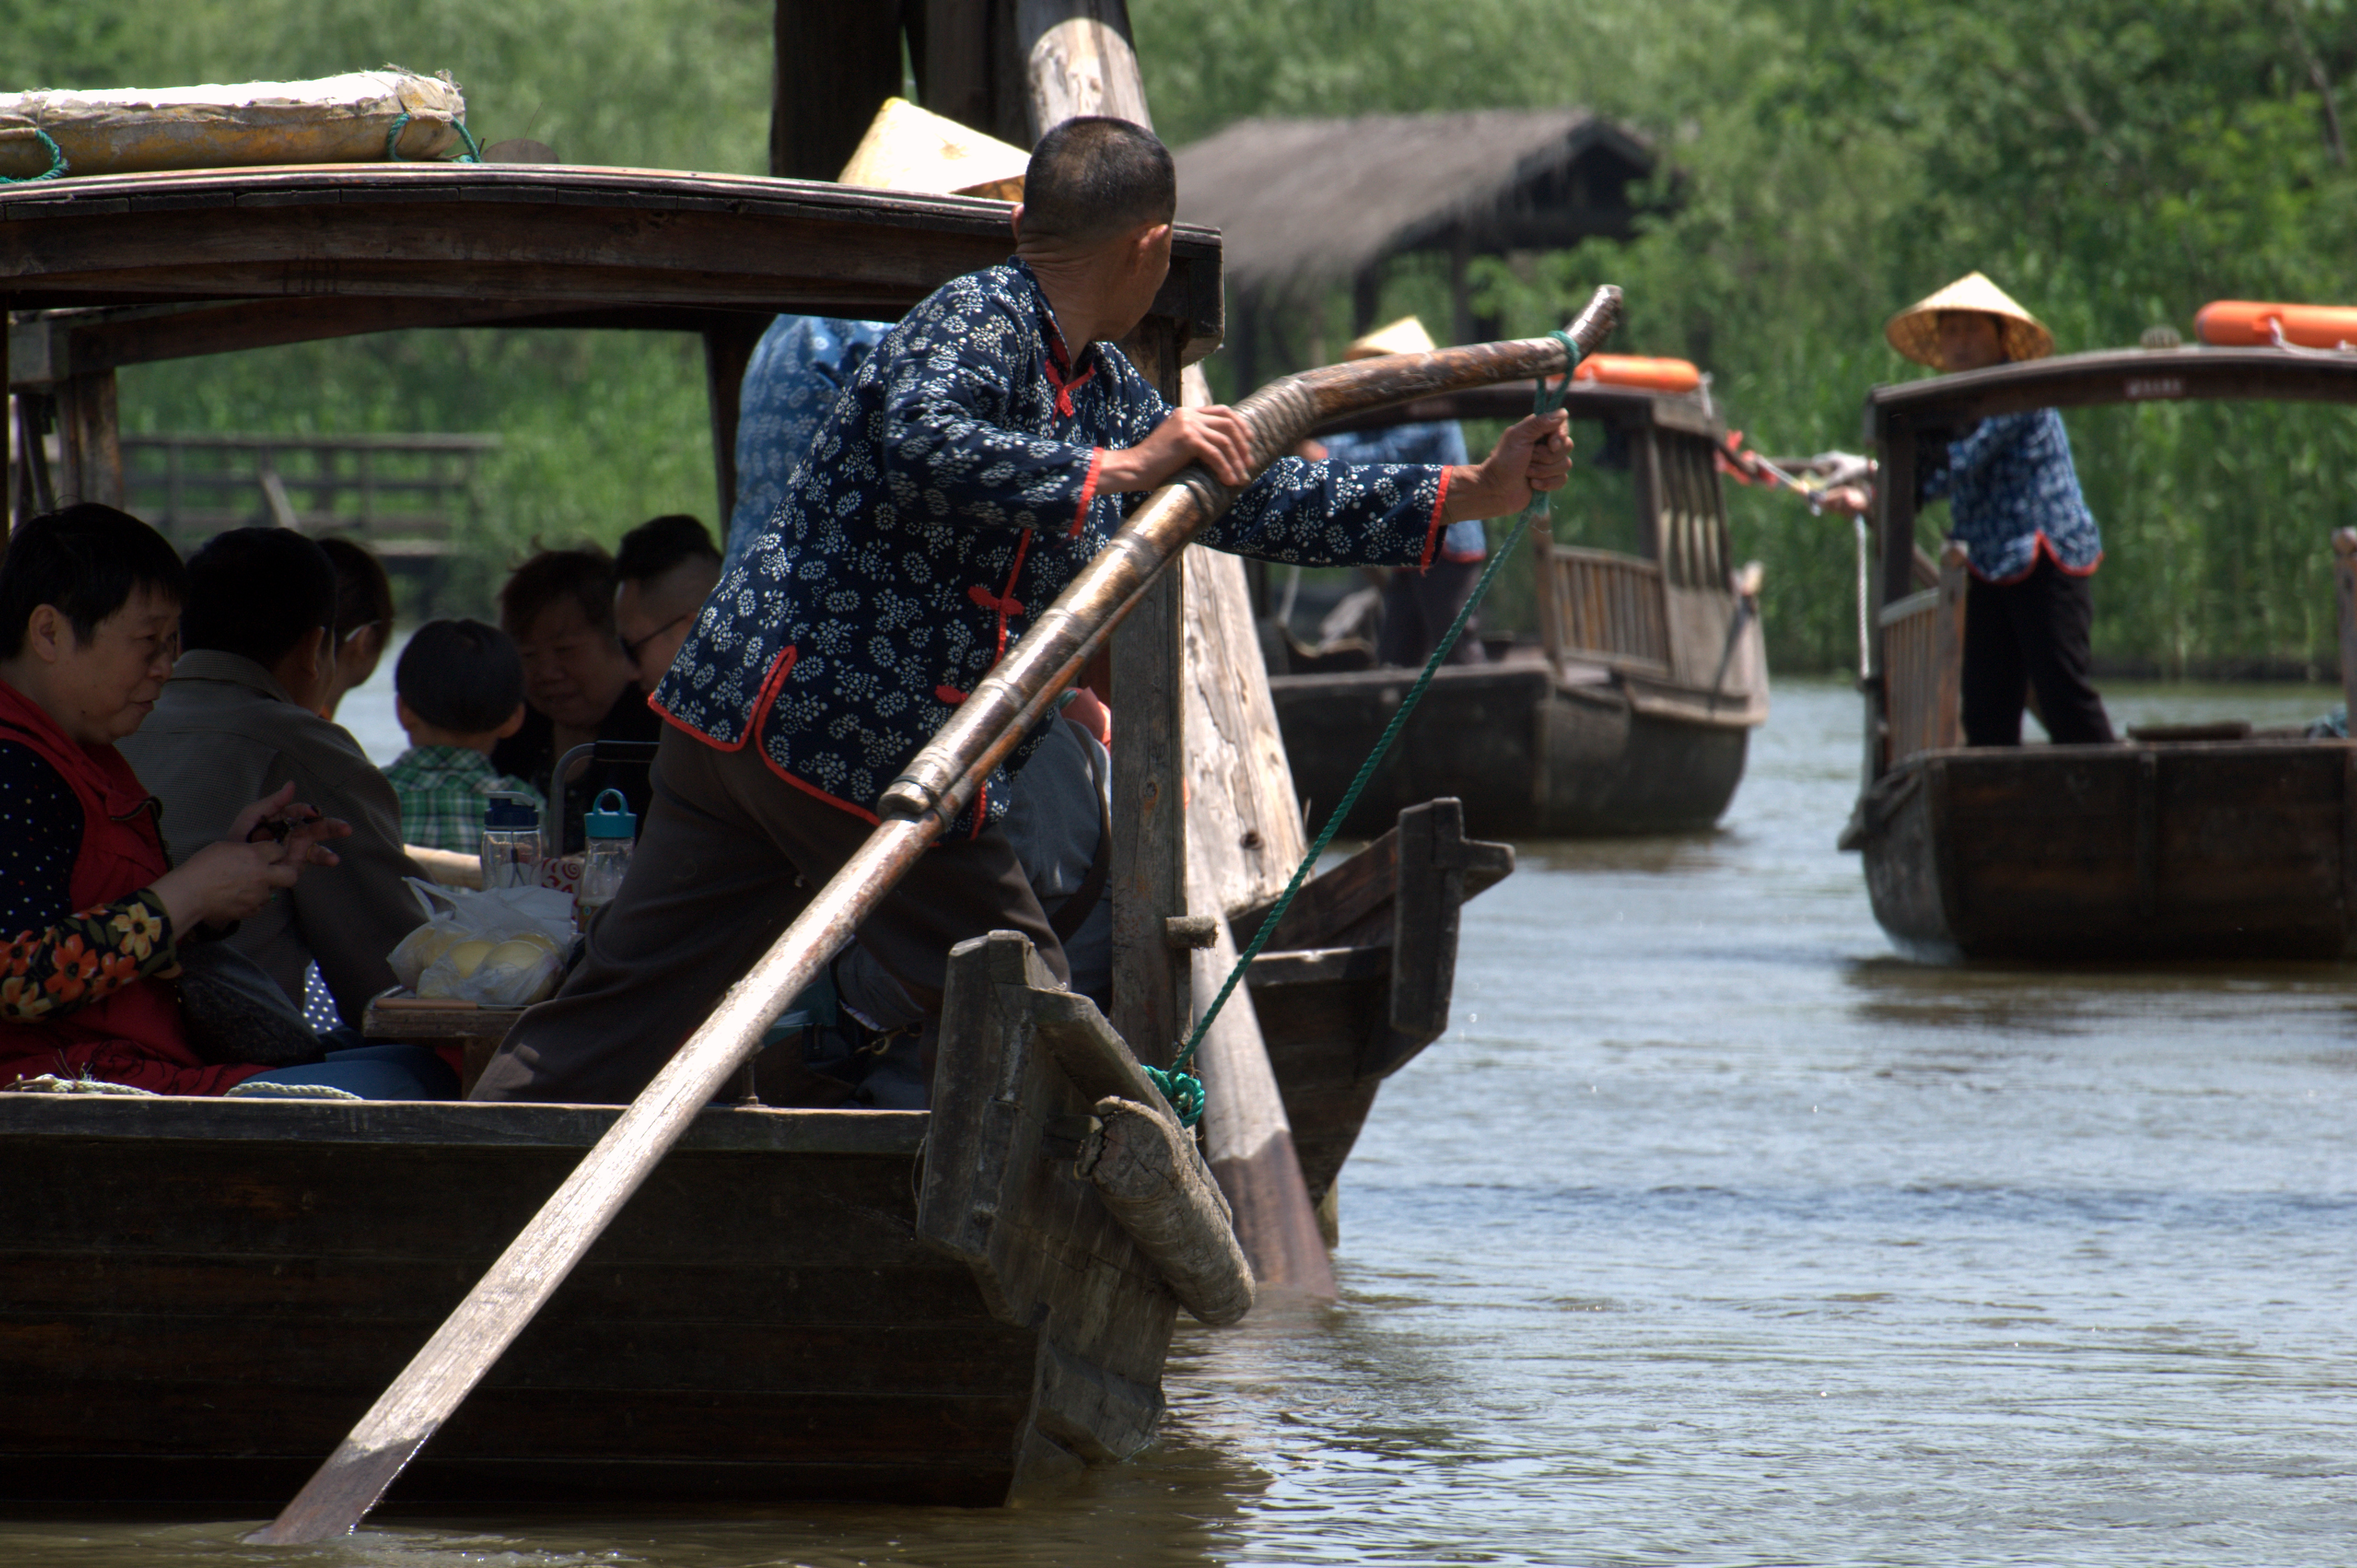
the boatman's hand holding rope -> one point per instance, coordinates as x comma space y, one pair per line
1534, 455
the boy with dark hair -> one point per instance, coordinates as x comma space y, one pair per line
239, 720
578, 685
458, 692
663, 571
990, 446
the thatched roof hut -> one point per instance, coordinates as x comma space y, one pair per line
1307, 203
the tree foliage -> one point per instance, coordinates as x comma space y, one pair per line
2114, 163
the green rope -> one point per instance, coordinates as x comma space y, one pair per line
1186, 1085
473, 154
58, 165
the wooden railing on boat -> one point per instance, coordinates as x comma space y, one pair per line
1608, 605
1924, 662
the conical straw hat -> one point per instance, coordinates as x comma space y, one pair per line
908, 148
1405, 336
1915, 331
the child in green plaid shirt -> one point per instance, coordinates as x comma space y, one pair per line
458, 691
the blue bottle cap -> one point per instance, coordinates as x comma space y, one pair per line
506, 810
614, 822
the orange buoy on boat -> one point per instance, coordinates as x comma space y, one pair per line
1635, 370
2249, 324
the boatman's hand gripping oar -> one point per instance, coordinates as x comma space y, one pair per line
939, 784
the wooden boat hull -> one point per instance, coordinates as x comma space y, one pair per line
198, 1297
1357, 978
1530, 755
2227, 850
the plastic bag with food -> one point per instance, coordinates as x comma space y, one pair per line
499, 948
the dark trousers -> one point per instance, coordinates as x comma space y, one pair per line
2026, 635
1418, 607
729, 854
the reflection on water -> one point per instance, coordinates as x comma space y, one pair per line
1717, 1232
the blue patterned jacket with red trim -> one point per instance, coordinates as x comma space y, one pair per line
2013, 494
950, 491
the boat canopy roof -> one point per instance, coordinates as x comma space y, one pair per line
2115, 375
159, 267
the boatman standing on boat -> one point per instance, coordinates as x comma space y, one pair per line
2014, 503
984, 453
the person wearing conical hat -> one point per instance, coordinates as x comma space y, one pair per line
2014, 503
1419, 607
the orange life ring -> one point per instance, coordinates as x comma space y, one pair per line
2244, 324
1635, 370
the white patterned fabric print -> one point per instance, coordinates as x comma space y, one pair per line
949, 494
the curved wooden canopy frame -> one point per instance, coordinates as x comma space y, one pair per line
281, 255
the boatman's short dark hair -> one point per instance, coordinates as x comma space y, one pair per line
1093, 178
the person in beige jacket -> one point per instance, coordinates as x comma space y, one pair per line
240, 718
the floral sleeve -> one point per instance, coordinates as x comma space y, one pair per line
85, 958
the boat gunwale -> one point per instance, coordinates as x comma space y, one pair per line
449, 1124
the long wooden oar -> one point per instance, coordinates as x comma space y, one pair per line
916, 809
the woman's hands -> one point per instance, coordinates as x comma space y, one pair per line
1535, 453
269, 844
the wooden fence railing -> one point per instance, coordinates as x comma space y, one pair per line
1924, 663
397, 494
1608, 605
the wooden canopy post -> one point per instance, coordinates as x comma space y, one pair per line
836, 64
726, 351
2344, 595
7, 431
88, 442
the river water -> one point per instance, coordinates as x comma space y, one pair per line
1715, 1233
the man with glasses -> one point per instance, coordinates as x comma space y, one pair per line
662, 573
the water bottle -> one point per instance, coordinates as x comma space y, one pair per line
610, 831
510, 851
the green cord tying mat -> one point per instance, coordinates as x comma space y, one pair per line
1183, 1088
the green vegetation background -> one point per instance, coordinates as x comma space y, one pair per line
2115, 163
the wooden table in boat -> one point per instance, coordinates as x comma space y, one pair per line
395, 1014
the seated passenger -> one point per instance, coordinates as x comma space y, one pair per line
363, 617
578, 685
458, 692
98, 919
238, 719
662, 573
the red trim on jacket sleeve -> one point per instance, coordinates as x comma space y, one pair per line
780, 668
1432, 531
1088, 493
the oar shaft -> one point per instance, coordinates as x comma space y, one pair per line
442, 1374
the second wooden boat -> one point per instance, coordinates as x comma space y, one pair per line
1633, 710
2215, 841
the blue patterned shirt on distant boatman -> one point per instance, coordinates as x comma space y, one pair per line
2011, 493
950, 495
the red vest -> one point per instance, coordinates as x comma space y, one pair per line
133, 1036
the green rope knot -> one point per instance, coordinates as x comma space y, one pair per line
1183, 1089
473, 154
1546, 399
58, 165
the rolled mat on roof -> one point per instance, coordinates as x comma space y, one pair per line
132, 130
